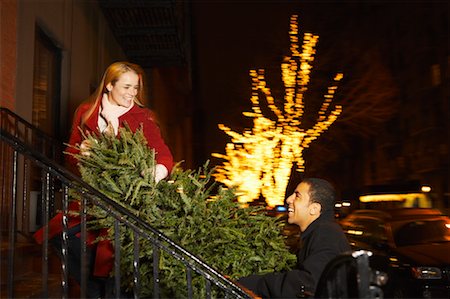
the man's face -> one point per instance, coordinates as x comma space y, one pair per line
300, 211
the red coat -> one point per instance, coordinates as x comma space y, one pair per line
135, 117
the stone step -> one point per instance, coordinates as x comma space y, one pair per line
27, 281
30, 286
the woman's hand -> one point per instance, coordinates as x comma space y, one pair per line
159, 172
85, 147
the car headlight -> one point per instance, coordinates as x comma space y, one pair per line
426, 272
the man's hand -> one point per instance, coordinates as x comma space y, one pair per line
248, 291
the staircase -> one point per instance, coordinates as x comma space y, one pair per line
34, 186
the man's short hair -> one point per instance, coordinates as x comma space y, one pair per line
322, 192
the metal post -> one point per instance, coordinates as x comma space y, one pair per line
117, 259
363, 276
137, 276
46, 211
189, 281
84, 263
155, 271
12, 229
65, 242
208, 288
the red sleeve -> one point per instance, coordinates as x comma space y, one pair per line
155, 140
75, 138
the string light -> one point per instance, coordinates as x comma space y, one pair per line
258, 162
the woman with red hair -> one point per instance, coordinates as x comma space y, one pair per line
119, 99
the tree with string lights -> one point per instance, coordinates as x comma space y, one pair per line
258, 162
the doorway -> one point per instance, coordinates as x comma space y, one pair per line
46, 85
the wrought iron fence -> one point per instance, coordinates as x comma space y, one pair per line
24, 148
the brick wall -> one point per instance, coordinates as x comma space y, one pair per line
8, 42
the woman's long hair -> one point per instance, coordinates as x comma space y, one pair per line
112, 75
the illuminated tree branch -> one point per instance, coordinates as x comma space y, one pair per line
259, 161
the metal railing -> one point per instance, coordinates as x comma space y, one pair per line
349, 275
27, 152
31, 164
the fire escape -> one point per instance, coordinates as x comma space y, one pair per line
151, 33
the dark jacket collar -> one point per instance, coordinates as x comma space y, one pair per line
325, 216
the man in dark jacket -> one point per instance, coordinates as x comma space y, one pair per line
311, 207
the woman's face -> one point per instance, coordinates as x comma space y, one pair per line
123, 92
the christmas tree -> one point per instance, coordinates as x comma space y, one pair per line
189, 207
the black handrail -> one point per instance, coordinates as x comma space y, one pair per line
53, 171
349, 275
30, 134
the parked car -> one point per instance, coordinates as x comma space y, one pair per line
411, 245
